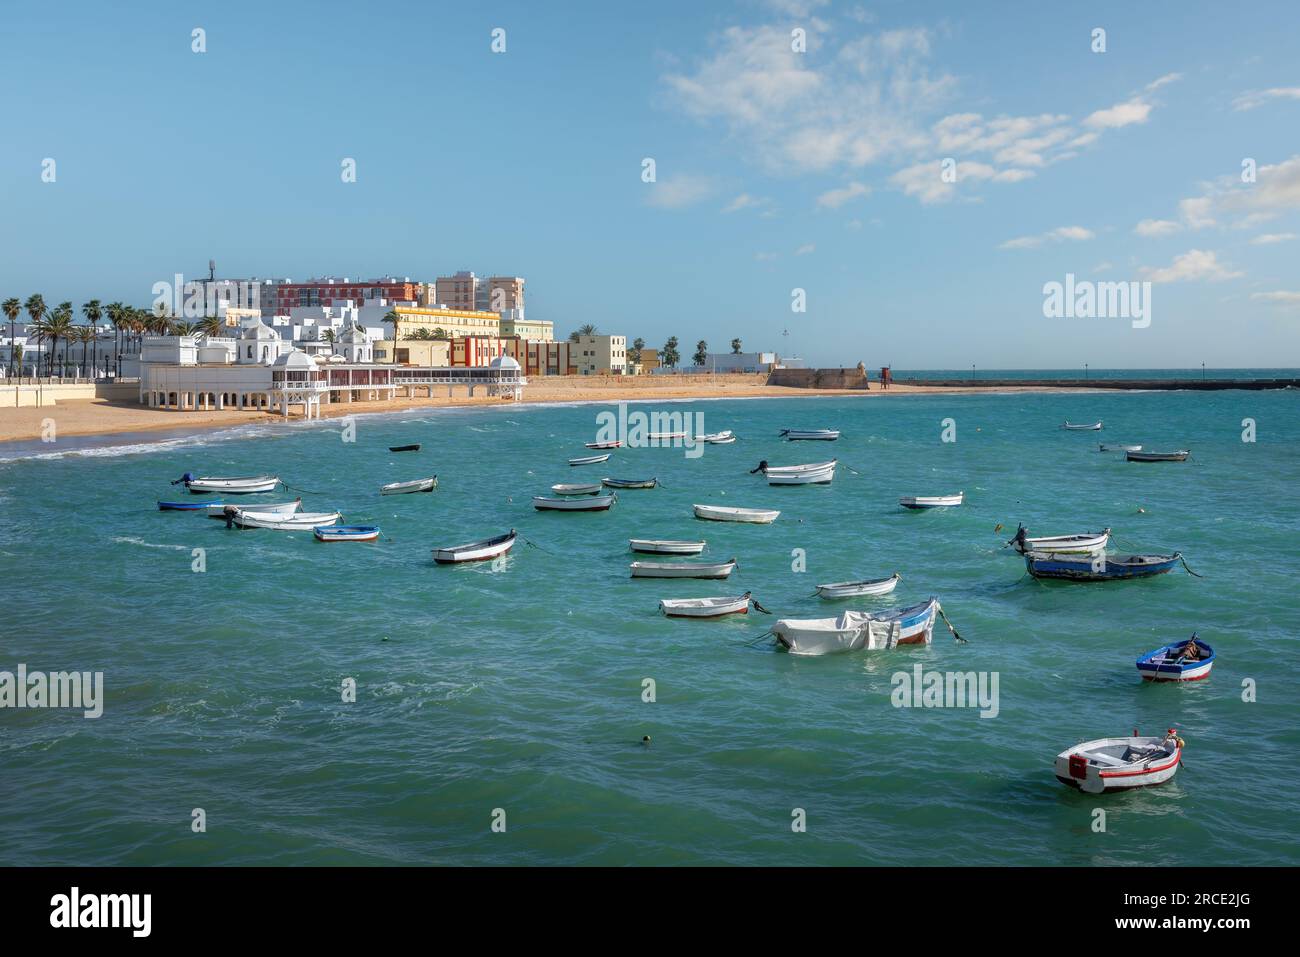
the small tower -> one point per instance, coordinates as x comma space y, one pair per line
354, 345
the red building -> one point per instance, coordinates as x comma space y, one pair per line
329, 292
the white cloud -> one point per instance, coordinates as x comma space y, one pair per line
1132, 111
1059, 234
805, 249
744, 201
1193, 265
835, 198
678, 192
1282, 297
1163, 81
1152, 228
859, 98
1253, 99
764, 257
1268, 239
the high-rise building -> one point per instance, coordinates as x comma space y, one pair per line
467, 291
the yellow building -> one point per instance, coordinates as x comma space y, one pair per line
427, 353
453, 322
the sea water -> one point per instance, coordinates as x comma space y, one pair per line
501, 710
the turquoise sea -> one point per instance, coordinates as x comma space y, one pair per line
521, 688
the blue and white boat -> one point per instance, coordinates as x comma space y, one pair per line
346, 533
1189, 660
186, 506
1098, 568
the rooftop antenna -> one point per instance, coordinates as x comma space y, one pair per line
212, 270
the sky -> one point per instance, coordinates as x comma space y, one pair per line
912, 174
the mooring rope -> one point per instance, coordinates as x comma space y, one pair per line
951, 628
1188, 567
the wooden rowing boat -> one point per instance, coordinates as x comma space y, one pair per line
705, 607
1189, 660
683, 569
298, 522
188, 506
1089, 427
1084, 543
1100, 567
480, 551
409, 488
1116, 764
218, 509
659, 546
869, 586
405, 448
588, 503
242, 485
590, 488
724, 513
630, 483
858, 630
590, 459
346, 533
1179, 456
613, 444
1118, 447
810, 435
931, 501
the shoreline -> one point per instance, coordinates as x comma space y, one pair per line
97, 418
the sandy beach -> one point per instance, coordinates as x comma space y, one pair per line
99, 417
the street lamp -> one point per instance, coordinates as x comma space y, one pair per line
1085, 370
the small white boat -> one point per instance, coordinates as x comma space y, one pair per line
727, 441
479, 551
245, 485
795, 469
801, 475
346, 533
279, 508
587, 503
590, 459
1087, 427
298, 522
1179, 456
1116, 764
1084, 543
855, 630
612, 444
659, 546
406, 488
664, 436
931, 501
717, 438
870, 586
705, 607
811, 435
724, 513
683, 569
588, 488
1117, 447
630, 483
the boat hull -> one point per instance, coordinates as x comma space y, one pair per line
188, 506
1100, 568
604, 445
481, 551
293, 523
1165, 664
1090, 768
1157, 456
591, 503
931, 501
810, 435
410, 488
721, 513
590, 459
682, 570
649, 546
233, 486
877, 586
702, 608
218, 509
1085, 543
346, 533
858, 630
629, 483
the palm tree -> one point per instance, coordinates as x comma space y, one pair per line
58, 325
669, 355
93, 313
36, 309
12, 307
329, 335
735, 346
701, 353
584, 330
440, 333
82, 334
210, 326
116, 313
395, 318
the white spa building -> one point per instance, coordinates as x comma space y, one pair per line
262, 370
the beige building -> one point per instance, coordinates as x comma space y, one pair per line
504, 294
434, 353
600, 355
541, 330
465, 290
458, 291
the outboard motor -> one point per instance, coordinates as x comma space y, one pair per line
230, 511
762, 467
187, 478
1020, 537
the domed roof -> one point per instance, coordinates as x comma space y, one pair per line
351, 334
258, 330
503, 362
294, 360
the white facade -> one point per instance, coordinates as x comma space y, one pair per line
599, 355
740, 361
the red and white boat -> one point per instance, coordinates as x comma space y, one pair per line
1118, 764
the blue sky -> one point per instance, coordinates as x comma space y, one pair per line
774, 170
